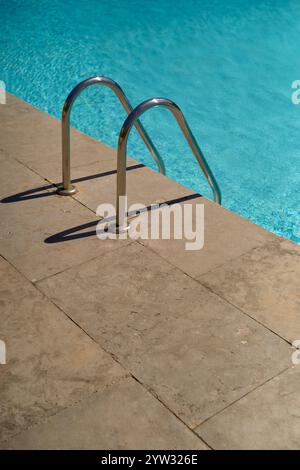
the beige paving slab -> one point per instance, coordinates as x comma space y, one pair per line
3, 156
34, 138
265, 284
50, 362
38, 136
267, 418
197, 352
42, 233
15, 108
144, 186
89, 158
124, 416
226, 236
16, 179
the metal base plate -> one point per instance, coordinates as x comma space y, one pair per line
66, 192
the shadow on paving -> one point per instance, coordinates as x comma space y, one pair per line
78, 232
44, 191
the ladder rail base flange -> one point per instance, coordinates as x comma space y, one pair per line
66, 192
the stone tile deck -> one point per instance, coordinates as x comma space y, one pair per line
135, 344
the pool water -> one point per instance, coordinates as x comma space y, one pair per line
228, 65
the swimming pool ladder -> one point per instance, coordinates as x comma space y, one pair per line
122, 151
67, 189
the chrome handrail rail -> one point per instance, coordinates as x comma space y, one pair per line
122, 149
67, 188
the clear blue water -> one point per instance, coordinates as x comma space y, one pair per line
229, 65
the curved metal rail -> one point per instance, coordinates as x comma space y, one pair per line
67, 188
122, 149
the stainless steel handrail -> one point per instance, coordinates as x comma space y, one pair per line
67, 188
122, 149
